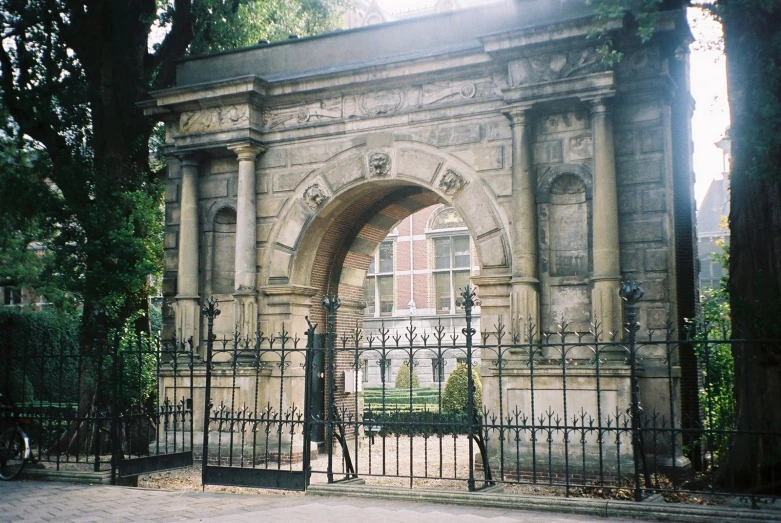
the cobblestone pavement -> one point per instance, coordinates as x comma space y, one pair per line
48, 501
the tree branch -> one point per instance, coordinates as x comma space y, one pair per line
161, 65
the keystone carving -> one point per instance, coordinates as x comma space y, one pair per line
315, 196
214, 119
451, 182
379, 164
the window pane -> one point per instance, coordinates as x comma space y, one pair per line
442, 253
386, 294
442, 284
461, 251
460, 281
386, 257
371, 269
369, 295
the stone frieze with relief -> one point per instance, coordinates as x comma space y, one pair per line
381, 103
214, 119
555, 66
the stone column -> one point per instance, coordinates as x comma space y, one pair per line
525, 294
245, 298
605, 301
187, 296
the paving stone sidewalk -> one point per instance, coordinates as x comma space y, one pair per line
47, 501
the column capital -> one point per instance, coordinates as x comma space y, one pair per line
188, 159
599, 106
517, 114
247, 151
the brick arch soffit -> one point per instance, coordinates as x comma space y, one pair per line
475, 202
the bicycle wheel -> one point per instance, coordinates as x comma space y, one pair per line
13, 452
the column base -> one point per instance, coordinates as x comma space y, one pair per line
606, 307
245, 314
188, 320
525, 306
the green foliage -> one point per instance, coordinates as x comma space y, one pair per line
423, 398
137, 361
223, 25
645, 13
455, 397
75, 165
38, 355
717, 391
407, 377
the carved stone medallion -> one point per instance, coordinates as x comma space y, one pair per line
379, 164
381, 102
451, 182
315, 196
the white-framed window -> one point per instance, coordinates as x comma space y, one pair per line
378, 288
452, 268
366, 371
11, 295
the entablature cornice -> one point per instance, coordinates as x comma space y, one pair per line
245, 89
582, 88
527, 41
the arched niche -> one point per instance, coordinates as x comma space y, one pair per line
565, 236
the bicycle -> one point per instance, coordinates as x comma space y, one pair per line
14, 446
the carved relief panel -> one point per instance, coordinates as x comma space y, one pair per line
554, 66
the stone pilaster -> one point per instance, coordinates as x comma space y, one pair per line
525, 294
245, 296
187, 296
493, 293
605, 301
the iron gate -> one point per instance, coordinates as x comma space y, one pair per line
167, 423
256, 431
122, 404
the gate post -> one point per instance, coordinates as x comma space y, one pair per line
330, 304
468, 295
211, 311
631, 293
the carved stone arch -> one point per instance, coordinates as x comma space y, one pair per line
220, 248
445, 217
346, 185
549, 176
211, 211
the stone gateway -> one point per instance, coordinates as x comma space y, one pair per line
288, 164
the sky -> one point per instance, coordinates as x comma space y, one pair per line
708, 88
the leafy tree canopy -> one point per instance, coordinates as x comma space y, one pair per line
75, 157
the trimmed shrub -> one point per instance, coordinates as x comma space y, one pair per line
405, 376
454, 397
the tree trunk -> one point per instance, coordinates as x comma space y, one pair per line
753, 49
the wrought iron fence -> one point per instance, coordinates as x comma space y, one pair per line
102, 408
575, 412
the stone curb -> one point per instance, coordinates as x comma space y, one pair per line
95, 478
592, 507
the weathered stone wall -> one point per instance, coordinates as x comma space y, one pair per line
302, 156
